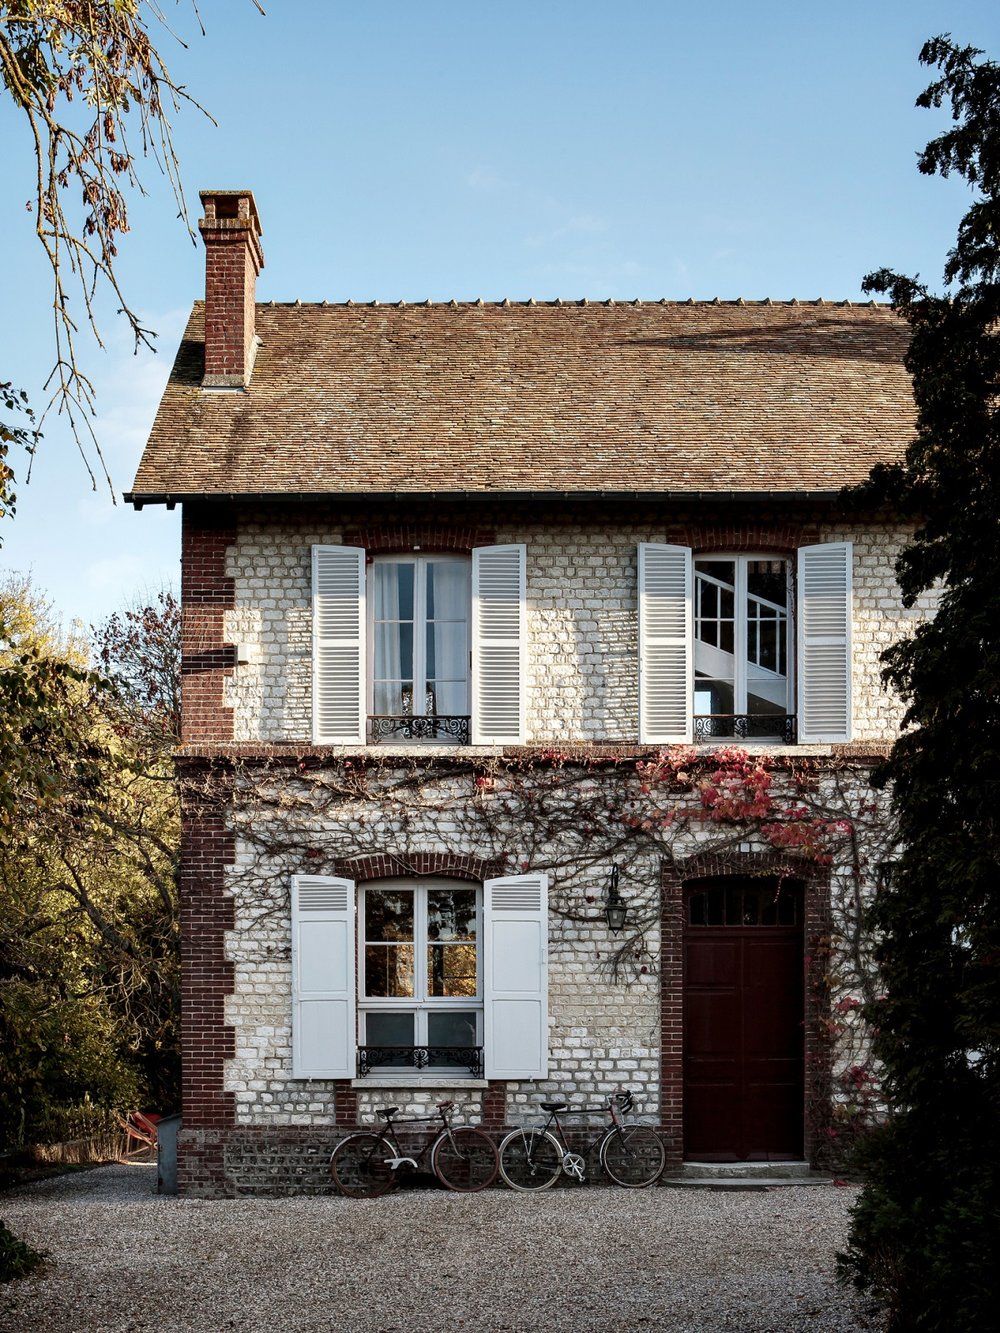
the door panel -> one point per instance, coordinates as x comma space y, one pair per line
743, 1040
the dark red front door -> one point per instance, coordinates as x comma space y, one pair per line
743, 1021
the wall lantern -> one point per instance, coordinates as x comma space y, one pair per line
615, 906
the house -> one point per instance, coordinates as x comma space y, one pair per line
502, 620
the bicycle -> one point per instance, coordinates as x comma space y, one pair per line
631, 1155
367, 1165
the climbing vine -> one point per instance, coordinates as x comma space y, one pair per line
575, 815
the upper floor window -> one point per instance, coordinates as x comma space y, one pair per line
742, 647
419, 647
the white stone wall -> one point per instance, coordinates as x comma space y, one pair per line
581, 582
603, 1033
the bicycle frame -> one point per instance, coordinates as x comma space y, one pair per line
387, 1134
572, 1162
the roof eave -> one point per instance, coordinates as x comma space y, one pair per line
171, 498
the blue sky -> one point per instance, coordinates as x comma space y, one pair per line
541, 149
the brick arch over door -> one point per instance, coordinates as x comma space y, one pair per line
816, 929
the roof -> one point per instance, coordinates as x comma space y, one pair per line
664, 398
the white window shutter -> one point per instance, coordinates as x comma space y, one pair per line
516, 969
338, 645
666, 644
824, 642
324, 1027
499, 645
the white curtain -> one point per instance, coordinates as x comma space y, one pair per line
388, 666
448, 636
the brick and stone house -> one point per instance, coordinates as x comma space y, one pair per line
456, 578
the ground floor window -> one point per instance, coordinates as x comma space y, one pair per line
420, 977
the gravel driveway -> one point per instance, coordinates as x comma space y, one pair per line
586, 1259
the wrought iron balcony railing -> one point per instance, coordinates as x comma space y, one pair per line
419, 1057
778, 727
412, 727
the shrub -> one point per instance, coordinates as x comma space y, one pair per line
17, 1258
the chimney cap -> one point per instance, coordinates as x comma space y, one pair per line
245, 205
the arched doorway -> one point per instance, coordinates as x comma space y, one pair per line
744, 1019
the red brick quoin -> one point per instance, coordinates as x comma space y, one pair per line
207, 849
207, 592
816, 926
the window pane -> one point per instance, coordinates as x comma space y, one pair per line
393, 698
388, 970
451, 969
723, 570
393, 652
769, 908
707, 908
788, 903
451, 914
393, 586
713, 696
734, 906
759, 706
388, 914
389, 1030
768, 579
449, 698
447, 590
451, 1029
447, 651
768, 655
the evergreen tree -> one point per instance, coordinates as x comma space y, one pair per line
924, 1239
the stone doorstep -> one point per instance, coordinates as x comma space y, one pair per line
736, 1176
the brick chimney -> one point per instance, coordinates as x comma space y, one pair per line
233, 258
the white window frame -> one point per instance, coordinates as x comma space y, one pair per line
421, 1004
740, 632
421, 561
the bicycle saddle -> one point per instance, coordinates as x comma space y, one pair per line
555, 1106
386, 1110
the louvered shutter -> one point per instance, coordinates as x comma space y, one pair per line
499, 652
824, 642
323, 988
516, 969
666, 638
339, 645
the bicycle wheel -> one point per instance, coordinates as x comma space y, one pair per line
358, 1166
465, 1160
633, 1156
530, 1159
